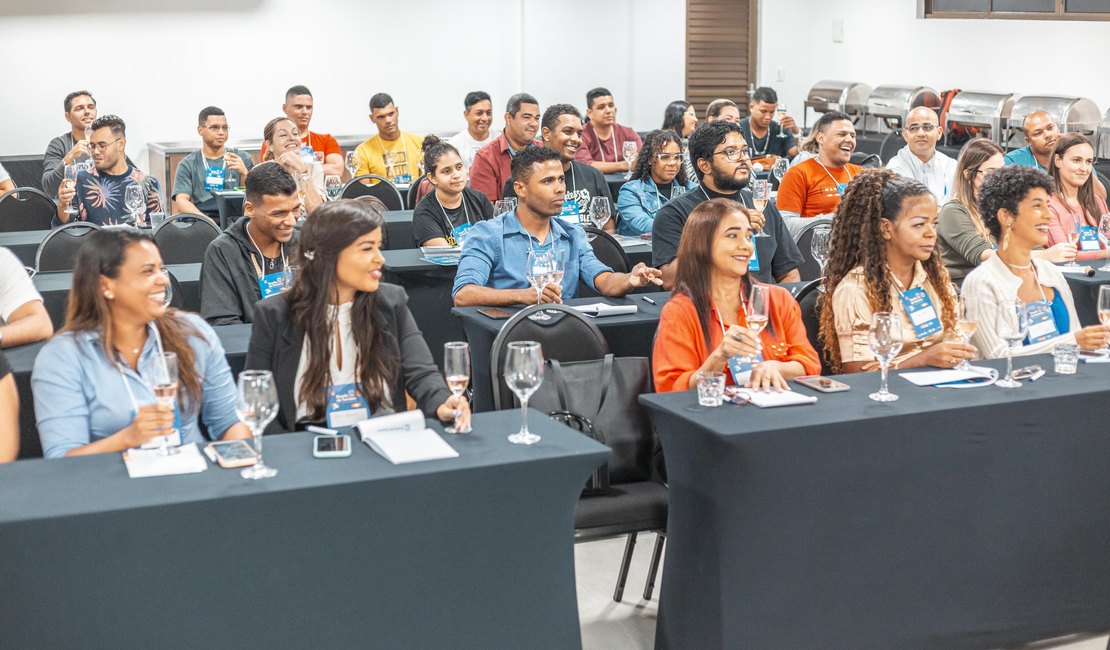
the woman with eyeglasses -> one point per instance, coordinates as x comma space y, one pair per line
657, 178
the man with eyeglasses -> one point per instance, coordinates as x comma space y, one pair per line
919, 159
813, 187
722, 160
212, 167
98, 195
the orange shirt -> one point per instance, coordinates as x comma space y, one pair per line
810, 190
680, 347
323, 144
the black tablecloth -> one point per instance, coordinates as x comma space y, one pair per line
471, 552
54, 287
1084, 291
967, 518
24, 244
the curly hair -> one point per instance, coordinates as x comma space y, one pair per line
857, 241
653, 144
1004, 189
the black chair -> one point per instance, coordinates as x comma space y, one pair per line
26, 208
810, 305
58, 250
417, 191
609, 251
806, 289
183, 238
177, 292
810, 269
890, 146
230, 209
383, 189
864, 159
637, 500
1105, 181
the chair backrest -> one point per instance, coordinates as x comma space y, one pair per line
810, 305
382, 189
177, 292
183, 238
562, 332
1105, 181
806, 289
864, 159
890, 146
810, 269
26, 208
609, 251
230, 209
418, 190
58, 250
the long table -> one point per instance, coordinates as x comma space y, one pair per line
1084, 291
24, 244
470, 552
966, 518
54, 287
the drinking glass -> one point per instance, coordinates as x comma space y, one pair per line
71, 178
169, 288
966, 324
558, 266
711, 388
1014, 333
164, 384
1104, 230
1065, 358
256, 404
819, 248
502, 206
134, 200
628, 150
523, 375
1104, 304
289, 276
1073, 238
599, 211
88, 134
351, 163
757, 309
456, 369
333, 187
761, 195
780, 112
885, 339
778, 170
540, 268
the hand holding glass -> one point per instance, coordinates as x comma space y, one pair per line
523, 375
1073, 238
757, 310
71, 181
761, 196
256, 405
456, 368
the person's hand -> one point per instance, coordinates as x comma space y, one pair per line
738, 341
80, 148
552, 293
66, 190
455, 406
1062, 252
291, 161
756, 218
233, 162
1094, 337
948, 354
642, 275
767, 375
789, 124
152, 420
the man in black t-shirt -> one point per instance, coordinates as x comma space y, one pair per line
721, 158
767, 138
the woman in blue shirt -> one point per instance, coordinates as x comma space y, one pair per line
92, 381
658, 177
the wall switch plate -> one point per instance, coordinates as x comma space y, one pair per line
838, 30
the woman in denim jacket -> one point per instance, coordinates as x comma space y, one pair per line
657, 178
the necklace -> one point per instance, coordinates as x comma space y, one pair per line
1019, 267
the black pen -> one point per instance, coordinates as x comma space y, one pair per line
648, 300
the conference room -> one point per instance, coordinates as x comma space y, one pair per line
753, 324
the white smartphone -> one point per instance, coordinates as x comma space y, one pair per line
234, 453
331, 446
822, 384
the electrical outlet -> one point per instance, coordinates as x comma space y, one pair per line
780, 74
838, 30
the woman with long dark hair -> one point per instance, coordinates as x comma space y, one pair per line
681, 118
342, 344
93, 381
1074, 204
657, 178
704, 324
883, 258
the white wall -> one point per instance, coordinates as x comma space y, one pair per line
156, 63
885, 43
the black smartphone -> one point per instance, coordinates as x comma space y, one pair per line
494, 313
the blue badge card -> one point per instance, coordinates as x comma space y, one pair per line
919, 307
570, 213
1088, 239
840, 187
742, 370
753, 263
402, 179
214, 178
1042, 326
346, 407
272, 284
458, 234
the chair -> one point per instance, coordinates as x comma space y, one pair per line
183, 238
890, 146
810, 305
26, 208
806, 289
864, 159
58, 250
1105, 181
417, 191
609, 251
382, 189
810, 269
177, 292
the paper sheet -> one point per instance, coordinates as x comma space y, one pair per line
773, 399
403, 438
934, 377
142, 463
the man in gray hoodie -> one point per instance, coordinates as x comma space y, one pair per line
247, 262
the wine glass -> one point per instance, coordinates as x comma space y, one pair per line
71, 178
1104, 230
628, 150
164, 385
1104, 305
289, 276
599, 211
351, 163
778, 170
757, 309
456, 369
256, 404
523, 375
502, 206
1073, 238
819, 248
885, 339
540, 266
966, 324
780, 112
1014, 333
761, 195
169, 288
558, 265
333, 187
134, 200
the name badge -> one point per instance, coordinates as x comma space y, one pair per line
742, 370
919, 307
307, 151
840, 187
319, 156
272, 284
346, 407
214, 178
570, 213
1088, 239
1042, 326
458, 234
402, 179
753, 263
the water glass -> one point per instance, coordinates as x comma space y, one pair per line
351, 163
628, 151
711, 388
156, 219
333, 187
523, 375
819, 248
134, 201
256, 404
1066, 358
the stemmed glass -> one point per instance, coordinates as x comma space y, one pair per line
351, 163
599, 211
761, 195
756, 310
780, 112
1104, 305
523, 375
558, 266
169, 288
540, 267
502, 206
1014, 333
885, 339
1073, 238
71, 178
628, 150
333, 187
966, 324
819, 248
164, 385
456, 369
134, 200
1104, 230
256, 405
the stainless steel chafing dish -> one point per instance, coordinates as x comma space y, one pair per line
983, 110
847, 96
892, 103
1070, 114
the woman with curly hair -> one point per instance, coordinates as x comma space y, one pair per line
1014, 202
884, 258
657, 178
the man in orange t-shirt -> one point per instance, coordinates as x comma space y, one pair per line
814, 187
298, 107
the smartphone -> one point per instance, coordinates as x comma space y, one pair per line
823, 384
494, 313
331, 446
234, 453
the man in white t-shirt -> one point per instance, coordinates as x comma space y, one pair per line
479, 117
25, 318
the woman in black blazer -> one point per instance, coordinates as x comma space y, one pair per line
341, 344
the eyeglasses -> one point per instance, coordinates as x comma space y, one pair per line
732, 155
668, 157
102, 146
218, 128
927, 128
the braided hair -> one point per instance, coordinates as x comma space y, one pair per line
653, 144
857, 240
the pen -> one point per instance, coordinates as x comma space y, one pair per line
324, 430
648, 300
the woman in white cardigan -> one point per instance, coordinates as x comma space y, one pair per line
1013, 202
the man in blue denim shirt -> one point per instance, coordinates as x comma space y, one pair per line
493, 264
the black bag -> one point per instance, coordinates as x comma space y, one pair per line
604, 392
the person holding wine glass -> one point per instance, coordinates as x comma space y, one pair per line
94, 382
769, 140
1014, 202
444, 216
657, 178
284, 147
712, 316
71, 147
604, 142
1075, 207
888, 262
341, 344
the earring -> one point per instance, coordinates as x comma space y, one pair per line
1005, 239
109, 295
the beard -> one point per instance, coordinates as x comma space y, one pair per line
728, 182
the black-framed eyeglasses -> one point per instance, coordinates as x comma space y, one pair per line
732, 155
103, 146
